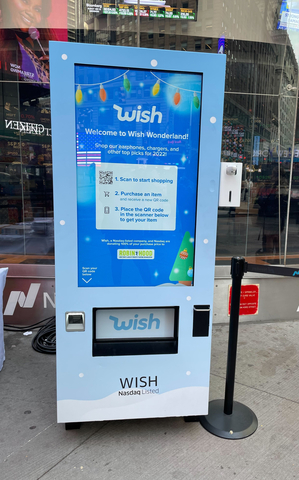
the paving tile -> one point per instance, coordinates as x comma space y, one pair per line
268, 357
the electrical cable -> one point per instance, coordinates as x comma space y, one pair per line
24, 328
45, 339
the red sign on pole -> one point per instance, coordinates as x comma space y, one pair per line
249, 302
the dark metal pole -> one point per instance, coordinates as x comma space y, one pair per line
226, 418
237, 273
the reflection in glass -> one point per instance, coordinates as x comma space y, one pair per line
260, 41
26, 199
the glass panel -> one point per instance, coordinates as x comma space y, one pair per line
37, 173
293, 226
246, 21
11, 194
26, 198
138, 323
26, 204
258, 130
261, 42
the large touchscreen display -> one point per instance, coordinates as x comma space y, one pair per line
137, 148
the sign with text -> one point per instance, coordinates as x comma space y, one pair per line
155, 9
124, 9
110, 9
137, 323
288, 16
187, 14
137, 167
143, 11
249, 302
95, 8
25, 30
144, 200
172, 13
157, 12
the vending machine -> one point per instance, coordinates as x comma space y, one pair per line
136, 165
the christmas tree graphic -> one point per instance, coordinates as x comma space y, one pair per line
182, 270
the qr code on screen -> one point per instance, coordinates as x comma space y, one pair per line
106, 178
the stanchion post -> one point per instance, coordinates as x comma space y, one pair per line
237, 273
226, 418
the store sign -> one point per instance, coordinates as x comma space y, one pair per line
274, 153
28, 128
249, 301
26, 300
120, 324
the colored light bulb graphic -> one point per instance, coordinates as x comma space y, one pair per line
156, 88
103, 93
79, 95
195, 100
127, 84
177, 97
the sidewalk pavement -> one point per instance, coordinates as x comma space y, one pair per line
33, 446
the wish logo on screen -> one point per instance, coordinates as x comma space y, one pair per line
144, 116
139, 324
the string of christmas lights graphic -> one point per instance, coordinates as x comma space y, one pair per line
127, 87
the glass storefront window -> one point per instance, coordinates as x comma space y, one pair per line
26, 198
260, 112
26, 190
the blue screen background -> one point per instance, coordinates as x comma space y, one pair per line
92, 113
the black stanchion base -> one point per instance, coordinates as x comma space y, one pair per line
240, 424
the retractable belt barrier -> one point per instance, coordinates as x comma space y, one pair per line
228, 418
270, 270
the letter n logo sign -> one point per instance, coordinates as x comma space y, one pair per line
20, 298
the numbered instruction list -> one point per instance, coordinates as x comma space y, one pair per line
135, 197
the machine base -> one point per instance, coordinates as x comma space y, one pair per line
192, 419
72, 426
240, 424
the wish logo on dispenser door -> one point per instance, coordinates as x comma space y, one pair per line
135, 323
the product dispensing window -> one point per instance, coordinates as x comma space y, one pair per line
136, 154
131, 331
